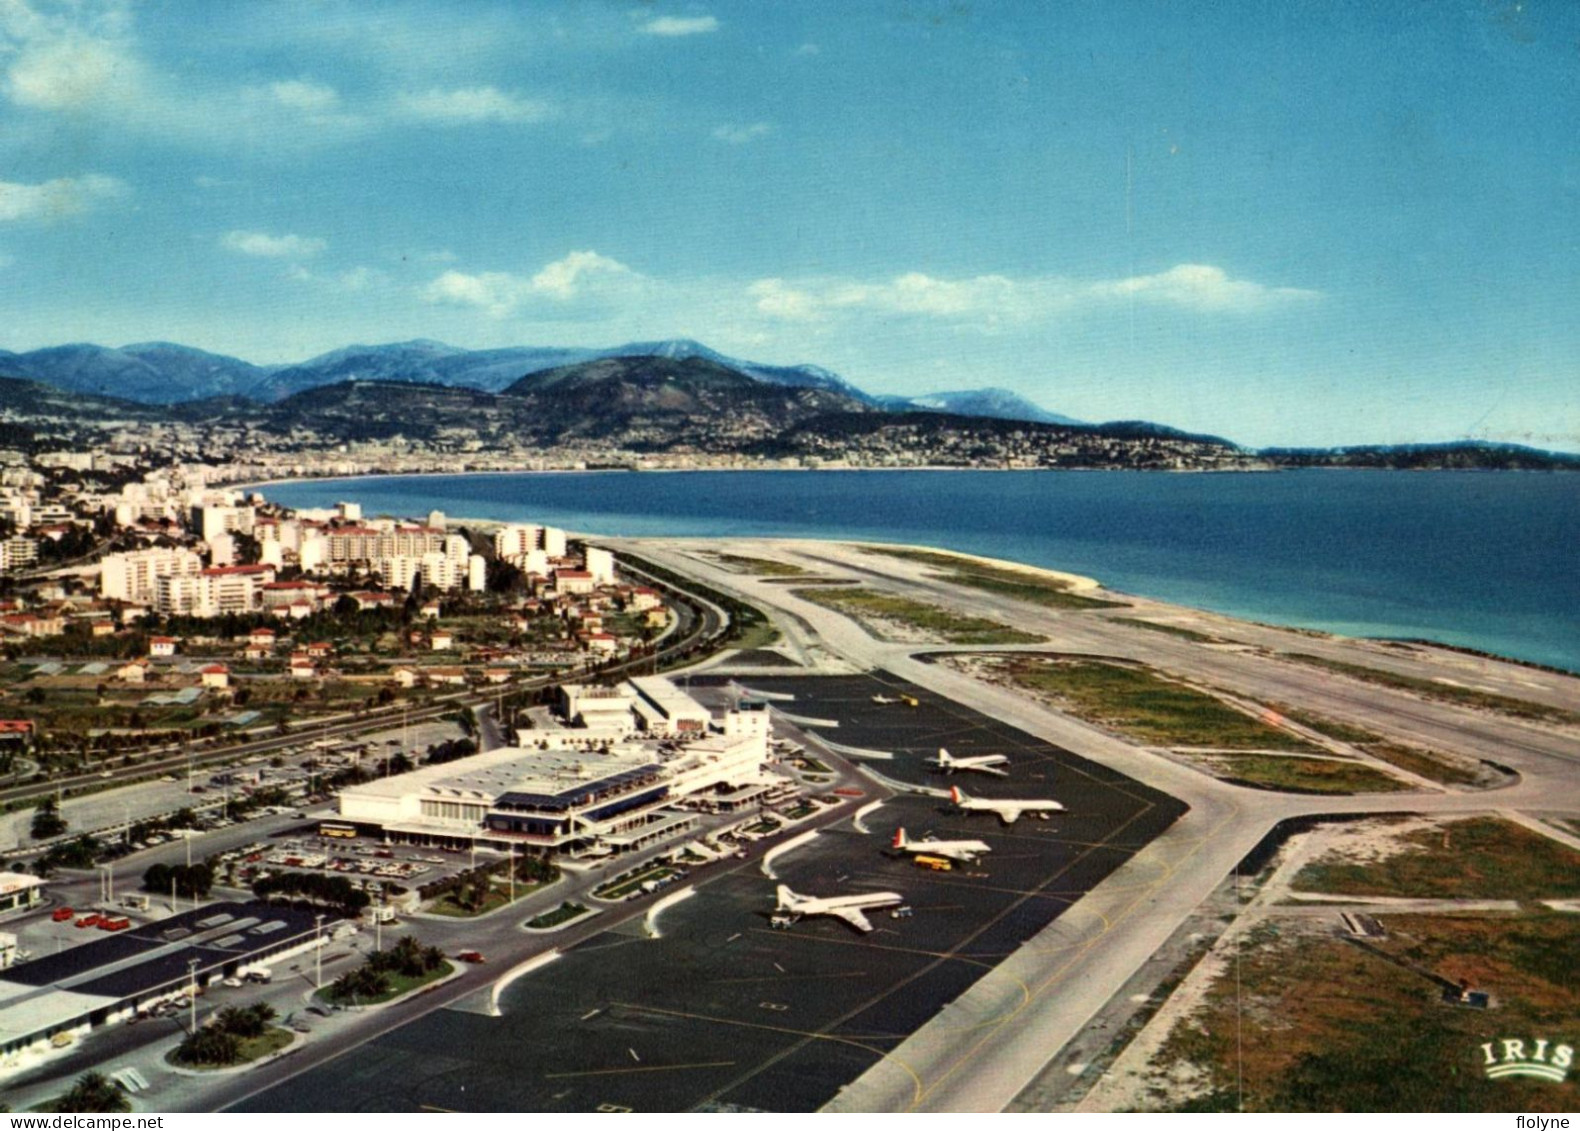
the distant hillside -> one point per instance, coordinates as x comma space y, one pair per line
1469, 455
165, 373
1001, 404
149, 372
657, 401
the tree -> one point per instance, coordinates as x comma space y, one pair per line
93, 1092
210, 1045
47, 821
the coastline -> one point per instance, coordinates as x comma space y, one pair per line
1168, 566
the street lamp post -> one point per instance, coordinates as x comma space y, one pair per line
192, 965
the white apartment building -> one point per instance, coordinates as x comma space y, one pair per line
600, 563
132, 576
16, 553
213, 592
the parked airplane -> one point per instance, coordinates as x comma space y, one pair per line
792, 907
884, 700
1008, 811
982, 763
965, 851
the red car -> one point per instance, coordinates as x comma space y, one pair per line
62, 914
471, 956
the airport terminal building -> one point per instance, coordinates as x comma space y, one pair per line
587, 791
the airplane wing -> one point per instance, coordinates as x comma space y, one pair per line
1009, 814
994, 768
853, 916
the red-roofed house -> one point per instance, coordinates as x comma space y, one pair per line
162, 646
216, 676
573, 581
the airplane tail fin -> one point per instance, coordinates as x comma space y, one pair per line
786, 898
943, 757
957, 795
899, 837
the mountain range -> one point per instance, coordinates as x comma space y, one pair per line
611, 409
167, 373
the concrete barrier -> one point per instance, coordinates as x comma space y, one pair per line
870, 807
520, 971
804, 721
856, 751
781, 849
650, 920
769, 696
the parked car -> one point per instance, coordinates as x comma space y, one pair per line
62, 914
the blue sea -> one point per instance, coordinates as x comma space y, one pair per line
1483, 560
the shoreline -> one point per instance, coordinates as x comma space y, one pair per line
1352, 627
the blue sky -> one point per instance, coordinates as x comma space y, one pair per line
1280, 222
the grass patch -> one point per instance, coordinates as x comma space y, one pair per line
758, 635
1429, 764
1478, 858
498, 896
1446, 692
399, 984
250, 1049
1301, 775
1314, 1023
1171, 629
1342, 732
564, 913
867, 605
1139, 702
762, 567
622, 886
1039, 589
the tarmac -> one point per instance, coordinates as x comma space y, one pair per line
722, 1012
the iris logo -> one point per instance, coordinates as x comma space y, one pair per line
1508, 1056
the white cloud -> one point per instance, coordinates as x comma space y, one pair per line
265, 246
1201, 287
740, 135
994, 300
65, 196
673, 26
71, 73
776, 299
581, 275
476, 104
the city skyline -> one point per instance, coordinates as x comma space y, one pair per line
1288, 227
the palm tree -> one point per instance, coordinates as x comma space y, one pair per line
93, 1092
